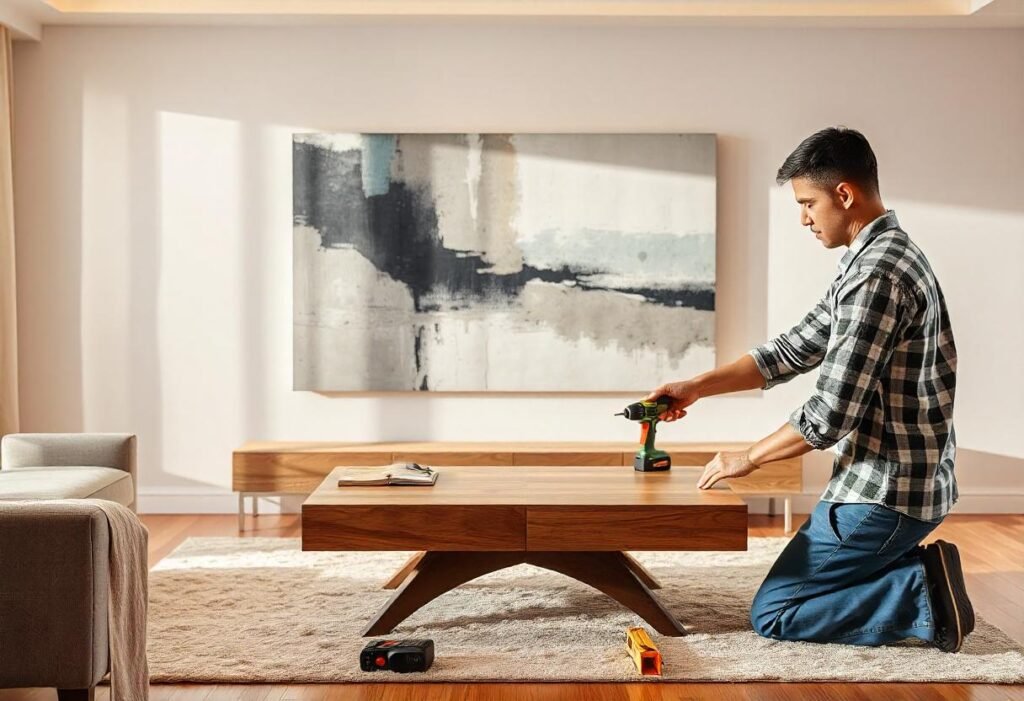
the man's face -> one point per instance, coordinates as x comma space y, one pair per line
825, 211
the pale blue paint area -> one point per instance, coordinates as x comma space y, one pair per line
649, 257
378, 151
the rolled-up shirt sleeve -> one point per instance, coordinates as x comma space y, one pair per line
870, 313
799, 350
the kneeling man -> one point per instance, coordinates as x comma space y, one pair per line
856, 572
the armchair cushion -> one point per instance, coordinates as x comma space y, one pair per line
67, 482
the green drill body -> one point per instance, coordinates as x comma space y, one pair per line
648, 458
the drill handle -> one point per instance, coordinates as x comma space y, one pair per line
648, 430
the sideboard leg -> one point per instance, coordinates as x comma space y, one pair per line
241, 511
788, 506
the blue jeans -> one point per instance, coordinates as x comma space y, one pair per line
852, 574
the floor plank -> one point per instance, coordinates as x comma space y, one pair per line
992, 548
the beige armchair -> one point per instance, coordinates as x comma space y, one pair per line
54, 562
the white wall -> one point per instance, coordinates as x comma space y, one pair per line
153, 195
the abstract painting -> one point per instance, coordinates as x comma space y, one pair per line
502, 262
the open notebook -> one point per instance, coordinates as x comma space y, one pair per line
399, 473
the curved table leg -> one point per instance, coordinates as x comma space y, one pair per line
610, 573
434, 574
438, 572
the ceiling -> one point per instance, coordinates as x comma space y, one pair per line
29, 17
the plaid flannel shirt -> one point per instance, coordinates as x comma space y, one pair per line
884, 397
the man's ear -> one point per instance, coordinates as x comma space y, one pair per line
845, 192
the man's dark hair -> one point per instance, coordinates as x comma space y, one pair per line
832, 156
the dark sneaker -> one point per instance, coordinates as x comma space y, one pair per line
954, 614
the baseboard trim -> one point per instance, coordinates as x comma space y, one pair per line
189, 500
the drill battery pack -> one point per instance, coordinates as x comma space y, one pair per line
644, 652
397, 656
649, 458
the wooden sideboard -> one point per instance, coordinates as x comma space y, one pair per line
277, 468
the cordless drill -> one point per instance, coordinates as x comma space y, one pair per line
648, 458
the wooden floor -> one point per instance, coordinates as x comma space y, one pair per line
992, 548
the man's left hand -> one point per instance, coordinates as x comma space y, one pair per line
724, 465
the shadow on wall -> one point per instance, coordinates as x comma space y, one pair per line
315, 89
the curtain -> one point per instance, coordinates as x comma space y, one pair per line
8, 306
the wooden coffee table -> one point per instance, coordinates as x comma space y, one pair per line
580, 522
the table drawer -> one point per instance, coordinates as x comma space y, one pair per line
413, 527
636, 528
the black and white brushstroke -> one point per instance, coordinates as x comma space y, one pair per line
531, 262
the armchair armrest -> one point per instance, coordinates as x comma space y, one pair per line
54, 591
115, 450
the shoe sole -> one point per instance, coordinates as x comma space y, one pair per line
962, 610
956, 578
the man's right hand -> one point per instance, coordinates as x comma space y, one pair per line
683, 394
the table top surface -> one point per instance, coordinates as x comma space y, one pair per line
535, 486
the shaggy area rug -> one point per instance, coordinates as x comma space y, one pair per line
261, 610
